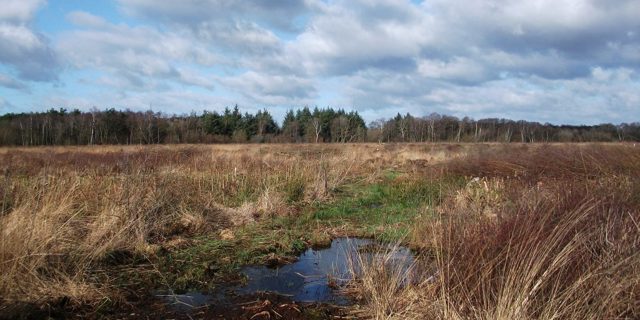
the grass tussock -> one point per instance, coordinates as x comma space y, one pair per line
539, 233
68, 214
504, 231
391, 285
570, 255
541, 163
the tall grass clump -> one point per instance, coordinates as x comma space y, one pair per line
540, 232
66, 212
563, 243
388, 281
571, 255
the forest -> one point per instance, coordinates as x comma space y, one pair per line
111, 126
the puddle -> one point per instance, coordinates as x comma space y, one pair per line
312, 278
307, 280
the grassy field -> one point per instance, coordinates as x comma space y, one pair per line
509, 231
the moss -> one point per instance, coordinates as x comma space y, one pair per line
384, 210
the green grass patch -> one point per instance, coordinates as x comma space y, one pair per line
384, 210
210, 259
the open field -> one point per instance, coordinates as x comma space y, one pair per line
506, 231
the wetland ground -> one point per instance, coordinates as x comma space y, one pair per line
500, 231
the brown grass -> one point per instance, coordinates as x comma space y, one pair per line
538, 232
547, 232
65, 210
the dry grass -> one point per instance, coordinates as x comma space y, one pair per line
65, 210
389, 284
538, 232
549, 232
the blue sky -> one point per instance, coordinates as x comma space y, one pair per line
558, 61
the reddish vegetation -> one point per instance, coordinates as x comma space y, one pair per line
522, 231
538, 232
568, 162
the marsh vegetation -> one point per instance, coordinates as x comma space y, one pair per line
499, 231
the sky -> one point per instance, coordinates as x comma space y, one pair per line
556, 61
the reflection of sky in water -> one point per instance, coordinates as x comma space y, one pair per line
306, 280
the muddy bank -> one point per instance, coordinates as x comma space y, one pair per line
308, 288
314, 277
256, 306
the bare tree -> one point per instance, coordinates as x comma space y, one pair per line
94, 110
317, 127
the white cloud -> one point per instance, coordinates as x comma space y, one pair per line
272, 89
275, 13
28, 53
22, 49
11, 83
352, 35
609, 95
458, 69
195, 78
562, 61
135, 57
85, 19
19, 11
239, 37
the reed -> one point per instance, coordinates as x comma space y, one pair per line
540, 232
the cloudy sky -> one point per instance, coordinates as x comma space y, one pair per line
558, 61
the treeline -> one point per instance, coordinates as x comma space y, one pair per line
436, 127
61, 127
